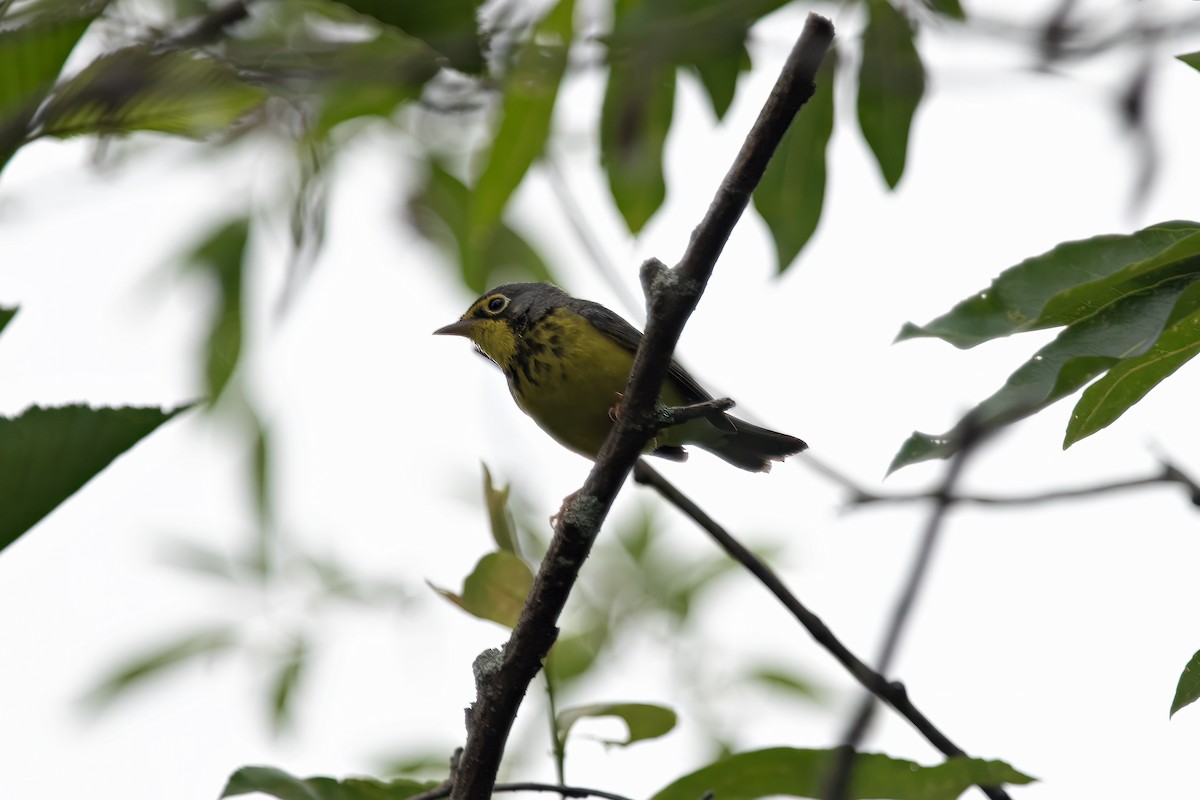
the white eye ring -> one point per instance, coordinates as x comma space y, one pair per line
495, 304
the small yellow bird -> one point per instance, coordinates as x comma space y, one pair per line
567, 362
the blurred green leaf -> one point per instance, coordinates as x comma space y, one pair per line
283, 688
948, 8
526, 112
785, 680
440, 211
448, 26
719, 76
222, 254
645, 721
804, 773
277, 783
639, 102
1063, 285
33, 48
574, 654
164, 657
496, 589
6, 315
1191, 59
503, 531
1188, 690
141, 89
1132, 378
891, 82
792, 191
1124, 328
47, 454
261, 471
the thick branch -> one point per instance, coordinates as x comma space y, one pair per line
892, 693
503, 677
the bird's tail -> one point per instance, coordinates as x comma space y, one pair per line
748, 446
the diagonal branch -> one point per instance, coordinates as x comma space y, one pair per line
891, 692
502, 677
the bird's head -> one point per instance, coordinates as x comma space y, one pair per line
498, 319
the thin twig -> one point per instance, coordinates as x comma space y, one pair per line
211, 26
502, 677
671, 416
1168, 474
891, 692
838, 785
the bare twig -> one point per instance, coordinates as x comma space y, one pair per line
502, 677
892, 693
677, 415
211, 26
838, 786
1168, 474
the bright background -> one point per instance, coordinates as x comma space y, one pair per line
1051, 637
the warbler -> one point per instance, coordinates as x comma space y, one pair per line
567, 362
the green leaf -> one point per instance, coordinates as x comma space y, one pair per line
645, 721
1125, 328
573, 655
496, 589
440, 211
33, 49
890, 84
503, 531
140, 89
792, 191
804, 773
47, 454
283, 688
448, 26
222, 254
1188, 690
1191, 59
948, 8
277, 783
161, 658
634, 121
1063, 285
1132, 378
787, 681
719, 75
6, 315
530, 91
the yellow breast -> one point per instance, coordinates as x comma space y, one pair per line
568, 376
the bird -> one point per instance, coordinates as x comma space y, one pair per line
567, 362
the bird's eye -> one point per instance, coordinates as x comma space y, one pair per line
496, 304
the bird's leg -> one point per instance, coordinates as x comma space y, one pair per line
616, 407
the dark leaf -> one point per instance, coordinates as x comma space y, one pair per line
1063, 285
33, 48
948, 8
140, 89
1125, 328
47, 454
277, 783
222, 253
6, 315
1188, 690
804, 773
496, 589
792, 191
891, 82
163, 658
1191, 59
719, 75
634, 121
440, 212
645, 721
448, 26
530, 91
1131, 378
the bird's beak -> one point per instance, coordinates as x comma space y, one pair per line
461, 328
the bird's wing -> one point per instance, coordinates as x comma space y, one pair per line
630, 337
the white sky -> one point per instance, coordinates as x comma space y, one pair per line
1048, 637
